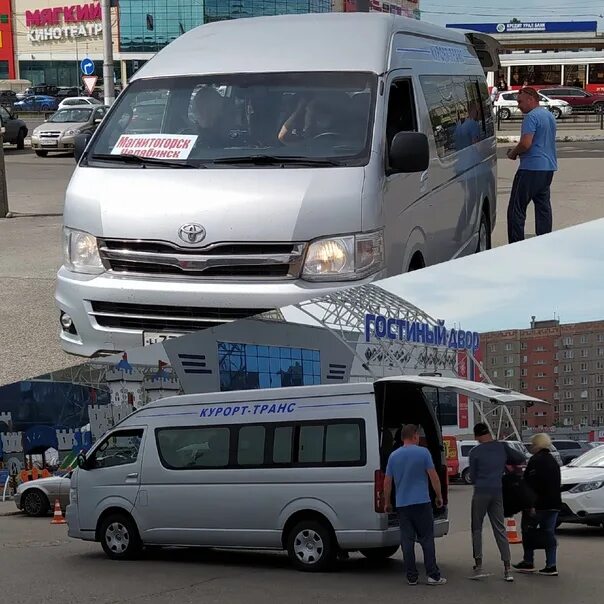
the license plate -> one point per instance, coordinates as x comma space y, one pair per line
156, 337
49, 143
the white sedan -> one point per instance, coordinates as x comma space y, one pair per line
79, 101
583, 489
507, 106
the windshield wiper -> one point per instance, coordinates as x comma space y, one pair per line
268, 160
143, 161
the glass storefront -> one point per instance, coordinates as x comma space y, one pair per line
248, 367
59, 73
149, 25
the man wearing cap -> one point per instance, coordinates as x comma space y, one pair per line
487, 466
538, 162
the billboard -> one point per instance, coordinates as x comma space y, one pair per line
529, 27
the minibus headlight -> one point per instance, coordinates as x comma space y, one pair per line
81, 252
345, 258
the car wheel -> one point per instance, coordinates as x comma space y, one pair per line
505, 113
599, 107
465, 476
484, 233
556, 112
41, 153
21, 140
380, 553
35, 503
311, 546
119, 537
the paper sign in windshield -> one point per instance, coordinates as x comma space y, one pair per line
160, 146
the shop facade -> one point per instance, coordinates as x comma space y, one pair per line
52, 37
7, 51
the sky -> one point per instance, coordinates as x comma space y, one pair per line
493, 11
561, 273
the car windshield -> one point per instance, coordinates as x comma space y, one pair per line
65, 116
594, 458
290, 117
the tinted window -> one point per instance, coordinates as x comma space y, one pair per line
250, 450
310, 449
119, 449
456, 111
282, 444
565, 445
465, 450
342, 443
182, 448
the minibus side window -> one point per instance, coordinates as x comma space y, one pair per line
342, 443
401, 111
282, 444
311, 444
250, 448
189, 448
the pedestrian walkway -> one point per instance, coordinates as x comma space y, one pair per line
8, 508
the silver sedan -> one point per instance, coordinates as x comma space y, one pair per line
37, 497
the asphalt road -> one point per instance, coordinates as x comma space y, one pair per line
30, 244
41, 564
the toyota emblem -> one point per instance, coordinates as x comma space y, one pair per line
192, 233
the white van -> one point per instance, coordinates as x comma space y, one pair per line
256, 163
299, 469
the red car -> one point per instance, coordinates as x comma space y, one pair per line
576, 97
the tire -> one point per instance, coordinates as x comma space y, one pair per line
119, 537
311, 546
599, 107
21, 140
465, 476
505, 113
35, 503
484, 233
556, 112
41, 153
380, 553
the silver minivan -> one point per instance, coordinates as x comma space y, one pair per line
297, 469
256, 163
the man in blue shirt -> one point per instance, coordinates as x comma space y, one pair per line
409, 468
538, 162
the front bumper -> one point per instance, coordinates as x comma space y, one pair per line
75, 293
62, 144
583, 508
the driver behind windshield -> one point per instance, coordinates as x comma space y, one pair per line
208, 112
310, 119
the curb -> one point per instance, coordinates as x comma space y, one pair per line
560, 139
13, 513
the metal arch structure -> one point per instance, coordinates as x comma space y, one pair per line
343, 313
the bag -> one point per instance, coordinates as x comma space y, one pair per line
534, 538
517, 495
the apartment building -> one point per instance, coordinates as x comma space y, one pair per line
560, 363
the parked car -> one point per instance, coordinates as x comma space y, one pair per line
79, 101
37, 103
8, 97
15, 129
569, 449
594, 444
66, 92
555, 453
42, 89
577, 98
463, 453
583, 489
59, 131
507, 106
37, 497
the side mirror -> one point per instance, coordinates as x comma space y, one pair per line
82, 462
409, 153
79, 145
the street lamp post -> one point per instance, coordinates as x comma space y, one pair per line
108, 87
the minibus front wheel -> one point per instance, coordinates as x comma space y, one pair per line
311, 546
119, 537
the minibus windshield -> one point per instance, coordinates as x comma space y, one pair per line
269, 119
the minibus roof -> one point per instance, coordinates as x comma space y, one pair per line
476, 390
357, 42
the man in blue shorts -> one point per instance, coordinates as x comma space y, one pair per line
409, 468
538, 162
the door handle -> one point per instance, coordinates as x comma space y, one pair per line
133, 475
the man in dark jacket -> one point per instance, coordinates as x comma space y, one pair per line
542, 475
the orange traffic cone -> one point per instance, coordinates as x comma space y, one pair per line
512, 531
58, 515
